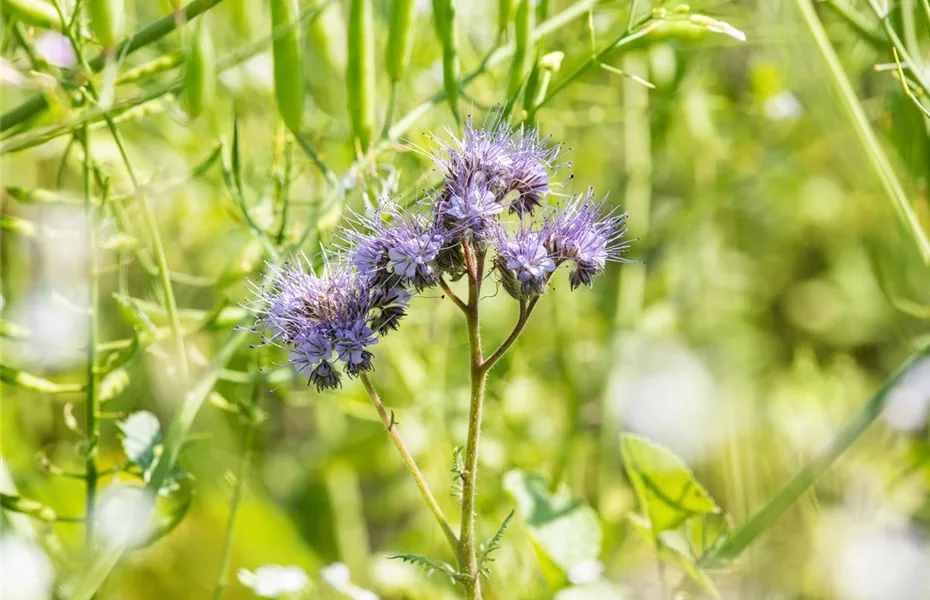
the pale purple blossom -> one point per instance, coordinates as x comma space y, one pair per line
587, 234
524, 261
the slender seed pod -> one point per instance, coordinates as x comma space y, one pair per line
325, 64
531, 89
288, 66
37, 13
542, 11
399, 40
107, 21
200, 76
360, 71
504, 15
444, 20
523, 26
245, 15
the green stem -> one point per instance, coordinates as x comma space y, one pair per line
149, 216
494, 58
468, 558
619, 42
148, 35
526, 309
103, 562
860, 23
222, 577
749, 531
389, 114
389, 424
92, 428
857, 117
914, 68
925, 5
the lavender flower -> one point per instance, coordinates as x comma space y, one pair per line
352, 339
468, 208
523, 261
325, 377
330, 322
481, 158
317, 316
401, 251
496, 160
533, 162
587, 236
391, 306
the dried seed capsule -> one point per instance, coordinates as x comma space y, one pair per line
360, 71
107, 21
399, 41
200, 76
288, 66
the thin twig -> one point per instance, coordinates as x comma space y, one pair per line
391, 426
452, 296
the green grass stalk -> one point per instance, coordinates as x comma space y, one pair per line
764, 518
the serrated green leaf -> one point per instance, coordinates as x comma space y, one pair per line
141, 437
493, 544
429, 566
564, 531
666, 489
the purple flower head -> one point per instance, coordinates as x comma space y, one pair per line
482, 157
312, 347
352, 339
523, 260
282, 306
587, 235
394, 248
328, 319
464, 207
412, 253
494, 160
391, 306
325, 377
533, 162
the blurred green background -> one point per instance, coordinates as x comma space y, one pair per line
776, 291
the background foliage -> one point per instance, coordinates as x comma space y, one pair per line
778, 288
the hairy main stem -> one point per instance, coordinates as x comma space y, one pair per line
391, 426
468, 558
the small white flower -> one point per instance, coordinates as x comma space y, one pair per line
337, 575
908, 403
273, 581
25, 571
586, 572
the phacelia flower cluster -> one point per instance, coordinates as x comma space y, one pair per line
492, 203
